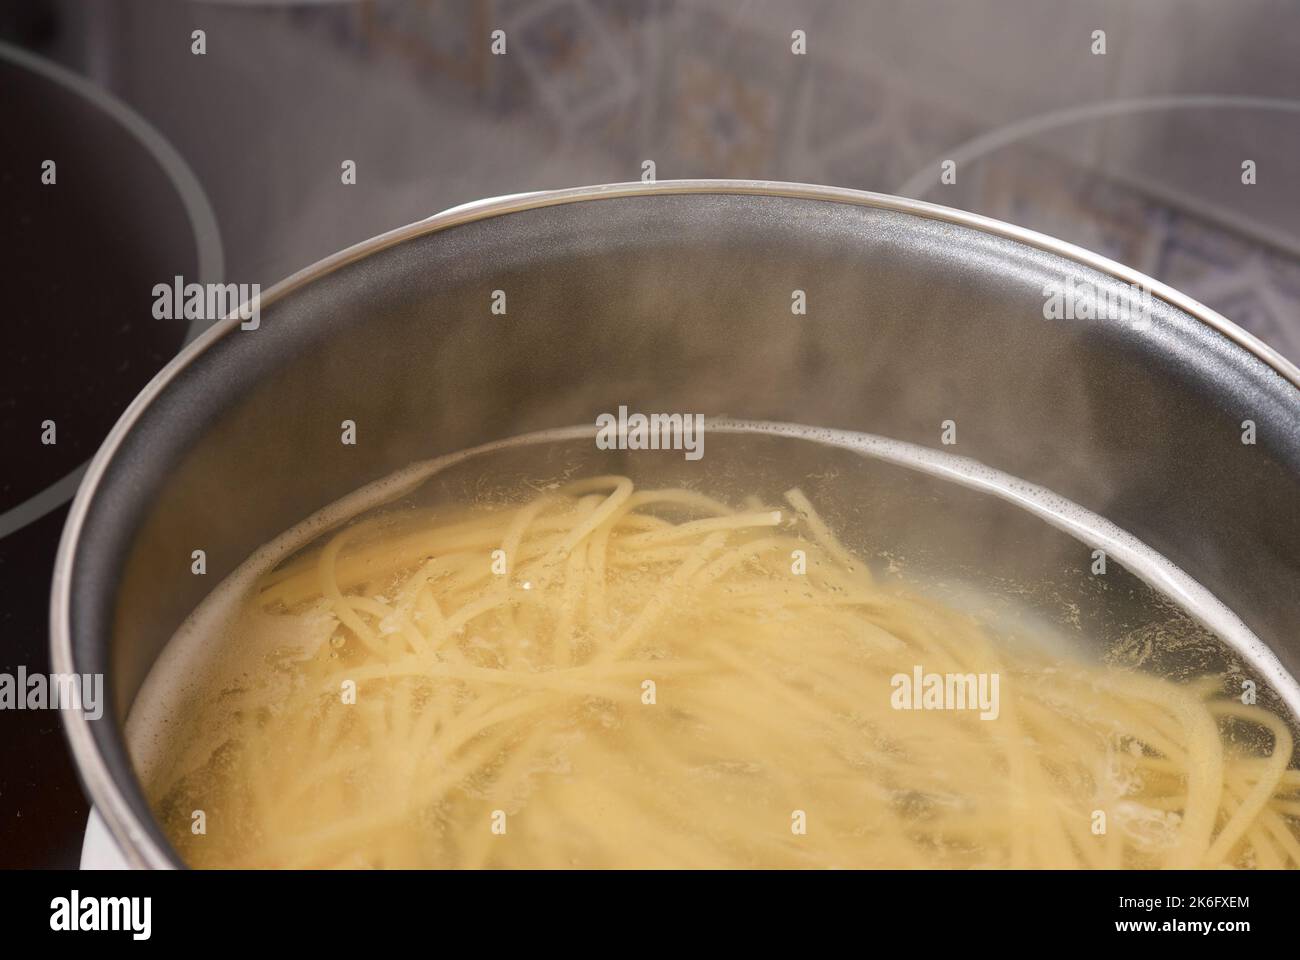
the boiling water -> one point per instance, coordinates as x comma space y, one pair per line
769, 759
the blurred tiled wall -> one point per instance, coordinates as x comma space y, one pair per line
1123, 153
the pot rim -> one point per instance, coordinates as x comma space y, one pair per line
138, 847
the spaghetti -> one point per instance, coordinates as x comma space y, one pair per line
606, 677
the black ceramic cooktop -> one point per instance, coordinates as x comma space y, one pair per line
80, 256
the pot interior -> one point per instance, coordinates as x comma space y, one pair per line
683, 303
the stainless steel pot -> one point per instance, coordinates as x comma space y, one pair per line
676, 296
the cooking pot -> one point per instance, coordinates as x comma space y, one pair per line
757, 300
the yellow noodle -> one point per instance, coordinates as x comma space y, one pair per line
652, 681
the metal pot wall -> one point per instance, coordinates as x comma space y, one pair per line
674, 296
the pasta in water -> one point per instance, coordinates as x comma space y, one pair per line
606, 676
